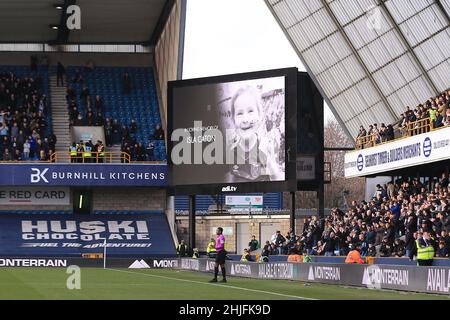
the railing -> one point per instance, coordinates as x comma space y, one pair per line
96, 157
418, 127
411, 129
25, 161
108, 157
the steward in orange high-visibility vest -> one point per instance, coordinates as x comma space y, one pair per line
354, 256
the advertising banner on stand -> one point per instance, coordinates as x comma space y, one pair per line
34, 196
107, 175
396, 277
74, 235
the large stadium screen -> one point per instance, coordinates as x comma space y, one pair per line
230, 131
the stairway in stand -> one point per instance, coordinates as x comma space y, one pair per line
60, 116
116, 150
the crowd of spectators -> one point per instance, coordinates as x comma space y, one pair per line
115, 132
137, 151
435, 112
385, 226
23, 124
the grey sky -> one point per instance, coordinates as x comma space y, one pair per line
233, 36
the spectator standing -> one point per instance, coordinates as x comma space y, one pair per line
425, 250
99, 105
253, 244
149, 150
278, 240
108, 132
116, 132
266, 252
60, 74
26, 150
126, 83
159, 132
182, 249
330, 244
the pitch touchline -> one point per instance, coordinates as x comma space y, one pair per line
212, 284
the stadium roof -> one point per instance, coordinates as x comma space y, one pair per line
102, 21
370, 58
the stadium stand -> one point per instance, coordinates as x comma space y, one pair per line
25, 108
128, 109
433, 114
386, 226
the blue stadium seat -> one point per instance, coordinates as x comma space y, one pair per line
141, 104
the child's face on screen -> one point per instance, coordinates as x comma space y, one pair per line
246, 114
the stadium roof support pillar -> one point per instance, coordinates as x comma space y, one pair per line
358, 57
63, 31
321, 191
161, 22
441, 7
292, 215
408, 46
191, 222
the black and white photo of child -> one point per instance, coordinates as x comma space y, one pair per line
255, 132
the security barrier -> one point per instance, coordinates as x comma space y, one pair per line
410, 129
95, 157
405, 278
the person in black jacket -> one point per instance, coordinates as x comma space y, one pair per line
330, 244
442, 250
399, 248
126, 83
266, 251
60, 73
385, 248
279, 242
372, 251
253, 244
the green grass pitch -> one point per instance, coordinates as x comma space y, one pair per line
166, 284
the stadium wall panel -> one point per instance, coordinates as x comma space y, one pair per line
129, 199
80, 58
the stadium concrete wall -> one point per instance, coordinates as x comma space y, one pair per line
80, 58
129, 199
139, 199
16, 207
